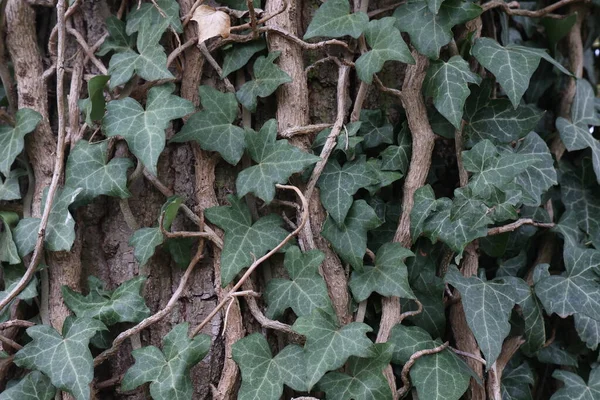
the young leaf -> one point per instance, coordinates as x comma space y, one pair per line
389, 276
149, 13
8, 249
12, 138
66, 359
304, 291
328, 346
243, 240
9, 189
263, 375
439, 376
87, 169
429, 32
94, 106
60, 232
375, 129
447, 83
575, 387
350, 239
239, 55
575, 291
35, 386
277, 161
144, 130
338, 185
365, 379
267, 78
118, 41
386, 45
168, 371
487, 306
397, 158
212, 127
333, 19
150, 62
145, 241
424, 204
124, 304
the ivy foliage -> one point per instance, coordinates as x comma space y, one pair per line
464, 191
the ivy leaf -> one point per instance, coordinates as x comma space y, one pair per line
212, 127
239, 55
439, 376
575, 133
168, 370
243, 240
10, 189
350, 239
434, 5
424, 204
148, 13
386, 45
304, 291
94, 106
389, 276
512, 65
150, 62
365, 379
397, 158
267, 78
375, 129
35, 386
12, 138
12, 277
145, 241
558, 354
531, 310
277, 161
328, 346
516, 382
333, 19
144, 130
447, 83
430, 32
492, 169
346, 142
124, 304
576, 290
87, 169
8, 249
588, 330
67, 360
263, 375
338, 184
575, 387
118, 40
60, 232
384, 178
487, 306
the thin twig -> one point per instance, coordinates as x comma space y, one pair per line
470, 355
411, 361
216, 66
175, 53
10, 342
16, 323
253, 22
385, 9
407, 314
517, 224
362, 310
256, 263
109, 383
303, 130
87, 50
512, 8
261, 21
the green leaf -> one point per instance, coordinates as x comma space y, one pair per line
277, 161
169, 210
87, 169
333, 19
60, 232
150, 62
239, 55
124, 304
263, 375
94, 106
386, 45
243, 240
168, 371
212, 127
8, 248
304, 291
588, 330
118, 41
346, 141
397, 158
10, 189
144, 130
375, 129
35, 386
531, 310
384, 178
575, 291
338, 184
328, 346
439, 376
487, 306
512, 65
67, 360
350, 239
424, 204
389, 276
12, 138
12, 277
145, 241
430, 32
364, 378
148, 13
575, 387
491, 169
447, 83
516, 382
557, 353
267, 78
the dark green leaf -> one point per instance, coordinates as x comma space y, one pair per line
35, 386
333, 19
149, 13
12, 138
575, 387
239, 55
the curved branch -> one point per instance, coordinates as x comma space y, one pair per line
512, 8
517, 224
411, 361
